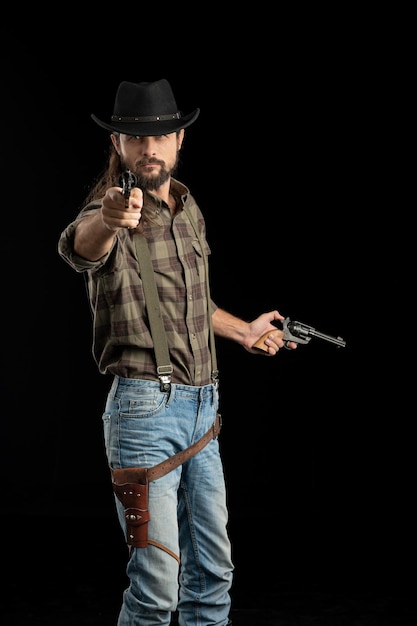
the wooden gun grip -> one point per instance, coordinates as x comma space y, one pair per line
260, 344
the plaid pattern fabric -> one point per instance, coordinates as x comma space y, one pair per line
122, 343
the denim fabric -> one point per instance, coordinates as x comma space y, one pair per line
188, 513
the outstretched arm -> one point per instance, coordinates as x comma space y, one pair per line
95, 234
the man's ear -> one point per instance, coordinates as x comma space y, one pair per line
116, 142
180, 138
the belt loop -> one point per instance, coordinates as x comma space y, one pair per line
114, 385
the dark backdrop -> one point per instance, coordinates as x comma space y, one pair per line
316, 453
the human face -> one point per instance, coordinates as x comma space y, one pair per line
152, 159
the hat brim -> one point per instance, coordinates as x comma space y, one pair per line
148, 129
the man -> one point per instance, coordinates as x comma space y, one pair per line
175, 524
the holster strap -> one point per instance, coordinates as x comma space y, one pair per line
181, 457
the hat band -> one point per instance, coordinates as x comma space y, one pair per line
150, 118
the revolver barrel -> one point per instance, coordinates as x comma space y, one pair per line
302, 333
127, 182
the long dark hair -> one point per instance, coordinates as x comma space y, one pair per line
109, 178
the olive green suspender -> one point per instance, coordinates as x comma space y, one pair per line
163, 362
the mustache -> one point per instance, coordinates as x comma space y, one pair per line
150, 161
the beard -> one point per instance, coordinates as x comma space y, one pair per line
152, 182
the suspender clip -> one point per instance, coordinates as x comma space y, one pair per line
164, 374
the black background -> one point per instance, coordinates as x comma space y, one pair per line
316, 443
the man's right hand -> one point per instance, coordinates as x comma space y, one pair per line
114, 213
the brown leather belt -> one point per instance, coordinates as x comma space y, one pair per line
181, 457
130, 474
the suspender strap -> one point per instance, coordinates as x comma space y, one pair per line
163, 362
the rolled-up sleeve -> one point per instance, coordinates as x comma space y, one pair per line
66, 250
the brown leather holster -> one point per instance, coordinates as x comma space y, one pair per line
131, 486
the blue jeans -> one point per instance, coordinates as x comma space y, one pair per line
188, 513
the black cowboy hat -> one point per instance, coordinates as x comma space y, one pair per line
146, 109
